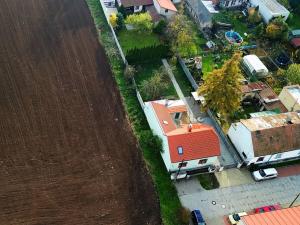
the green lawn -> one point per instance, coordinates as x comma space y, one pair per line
132, 39
294, 21
182, 80
208, 63
235, 18
146, 70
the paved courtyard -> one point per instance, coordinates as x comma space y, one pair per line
215, 204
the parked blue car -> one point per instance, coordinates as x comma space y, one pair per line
197, 217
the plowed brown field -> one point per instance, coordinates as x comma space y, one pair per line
67, 153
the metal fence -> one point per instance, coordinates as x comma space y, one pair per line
114, 34
188, 74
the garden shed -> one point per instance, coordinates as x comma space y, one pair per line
270, 9
254, 66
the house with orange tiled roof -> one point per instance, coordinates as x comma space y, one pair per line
267, 139
188, 149
165, 7
288, 216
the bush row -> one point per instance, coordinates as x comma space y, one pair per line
148, 53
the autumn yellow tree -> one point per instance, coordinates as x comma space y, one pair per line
113, 20
222, 88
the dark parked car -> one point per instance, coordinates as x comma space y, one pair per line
197, 217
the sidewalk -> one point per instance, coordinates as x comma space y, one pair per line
288, 171
234, 177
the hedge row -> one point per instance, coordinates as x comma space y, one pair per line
148, 53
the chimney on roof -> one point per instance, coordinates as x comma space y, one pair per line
288, 120
190, 127
166, 102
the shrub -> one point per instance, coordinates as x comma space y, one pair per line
120, 21
260, 30
277, 29
129, 72
122, 10
160, 27
150, 141
184, 216
141, 22
293, 74
113, 20
254, 15
153, 87
147, 53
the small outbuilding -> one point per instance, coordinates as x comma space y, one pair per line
270, 9
253, 65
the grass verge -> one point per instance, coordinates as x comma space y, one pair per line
169, 201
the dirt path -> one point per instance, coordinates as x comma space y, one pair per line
67, 154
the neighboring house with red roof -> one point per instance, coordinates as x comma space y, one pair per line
287, 216
165, 7
268, 99
267, 139
187, 148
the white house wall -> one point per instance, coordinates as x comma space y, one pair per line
155, 126
266, 13
241, 138
161, 10
194, 164
232, 3
139, 9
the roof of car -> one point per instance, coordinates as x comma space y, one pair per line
198, 216
270, 171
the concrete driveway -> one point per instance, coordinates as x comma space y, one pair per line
215, 204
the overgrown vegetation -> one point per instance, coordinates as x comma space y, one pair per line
181, 35
169, 201
277, 29
153, 81
293, 74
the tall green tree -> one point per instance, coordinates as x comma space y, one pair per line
293, 74
222, 88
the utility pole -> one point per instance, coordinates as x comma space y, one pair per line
294, 200
292, 109
180, 165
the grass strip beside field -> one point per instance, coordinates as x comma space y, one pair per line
169, 201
